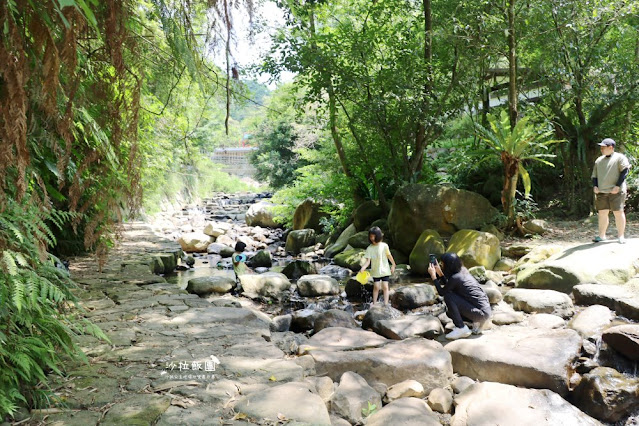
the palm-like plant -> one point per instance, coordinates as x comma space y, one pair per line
523, 142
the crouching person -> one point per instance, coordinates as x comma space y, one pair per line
463, 295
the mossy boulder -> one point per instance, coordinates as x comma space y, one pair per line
429, 242
298, 239
341, 243
475, 248
365, 214
417, 207
352, 259
359, 240
308, 215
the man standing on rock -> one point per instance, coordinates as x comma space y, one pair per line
609, 181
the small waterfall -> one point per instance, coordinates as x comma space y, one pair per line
595, 358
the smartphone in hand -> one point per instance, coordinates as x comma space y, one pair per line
433, 259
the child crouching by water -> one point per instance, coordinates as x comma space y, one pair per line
377, 255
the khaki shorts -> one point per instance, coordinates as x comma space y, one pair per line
607, 201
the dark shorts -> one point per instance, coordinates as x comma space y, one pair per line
381, 278
607, 201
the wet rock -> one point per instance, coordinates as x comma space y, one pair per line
204, 286
405, 412
353, 397
356, 292
608, 395
624, 339
423, 360
378, 313
261, 259
405, 389
294, 401
268, 284
296, 240
537, 358
475, 248
413, 296
496, 403
440, 400
334, 318
303, 320
622, 299
298, 268
317, 285
341, 243
540, 301
591, 320
335, 271
194, 242
426, 326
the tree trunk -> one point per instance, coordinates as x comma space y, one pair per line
512, 66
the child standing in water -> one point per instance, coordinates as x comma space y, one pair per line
377, 255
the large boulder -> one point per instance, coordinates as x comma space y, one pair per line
365, 214
194, 242
540, 301
475, 248
622, 299
308, 215
341, 243
379, 313
299, 268
419, 359
417, 207
534, 358
294, 401
262, 214
624, 339
268, 284
607, 394
297, 240
203, 286
502, 404
606, 263
359, 240
429, 242
413, 296
352, 259
317, 285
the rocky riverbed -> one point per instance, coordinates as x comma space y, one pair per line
301, 346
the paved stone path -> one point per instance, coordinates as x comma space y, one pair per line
173, 358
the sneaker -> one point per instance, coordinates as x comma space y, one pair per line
598, 239
622, 240
459, 333
478, 327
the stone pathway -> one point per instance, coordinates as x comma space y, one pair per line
173, 358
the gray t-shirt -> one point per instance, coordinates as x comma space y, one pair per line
608, 169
